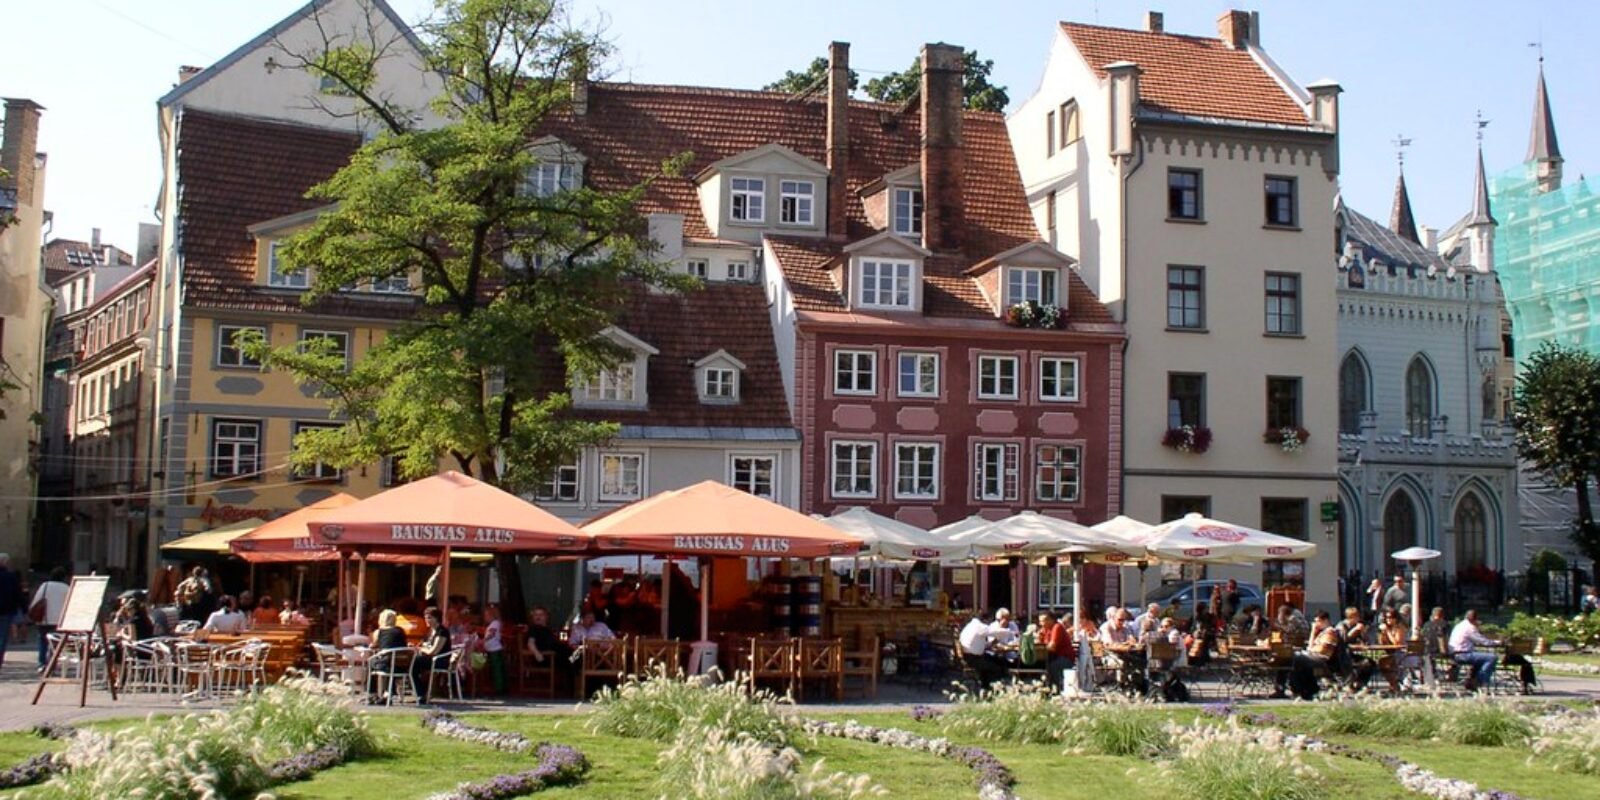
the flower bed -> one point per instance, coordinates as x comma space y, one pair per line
994, 779
35, 770
443, 723
559, 765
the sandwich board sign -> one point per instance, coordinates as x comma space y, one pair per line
80, 620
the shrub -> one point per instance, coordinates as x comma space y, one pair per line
709, 763
1569, 743
658, 707
302, 713
1018, 713
1116, 727
1230, 762
1485, 725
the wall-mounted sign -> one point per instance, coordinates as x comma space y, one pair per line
214, 514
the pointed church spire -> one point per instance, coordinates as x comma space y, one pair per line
1542, 144
1480, 196
1400, 219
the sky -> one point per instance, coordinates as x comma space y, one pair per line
1417, 68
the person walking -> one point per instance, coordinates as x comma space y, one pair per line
11, 600
53, 593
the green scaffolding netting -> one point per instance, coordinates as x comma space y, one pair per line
1547, 253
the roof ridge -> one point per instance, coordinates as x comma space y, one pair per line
732, 91
234, 116
1140, 30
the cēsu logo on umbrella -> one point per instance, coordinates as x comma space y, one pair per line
1218, 533
332, 532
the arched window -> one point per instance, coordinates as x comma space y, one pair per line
1472, 533
1399, 525
1352, 393
1419, 398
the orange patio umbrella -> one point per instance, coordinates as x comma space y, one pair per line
287, 538
714, 519
448, 510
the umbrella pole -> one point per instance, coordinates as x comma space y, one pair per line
361, 590
299, 585
444, 582
666, 598
338, 592
252, 578
705, 599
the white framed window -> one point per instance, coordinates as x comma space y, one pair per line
696, 267
1058, 379
738, 270
754, 474
855, 372
1031, 284
997, 471
1056, 474
277, 277
621, 476
918, 375
562, 485
916, 471
719, 383
795, 202
549, 178
887, 284
615, 385
340, 339
394, 284
230, 354
1055, 586
907, 211
747, 199
320, 471
997, 377
389, 472
855, 469
235, 448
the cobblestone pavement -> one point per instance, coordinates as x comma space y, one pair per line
59, 704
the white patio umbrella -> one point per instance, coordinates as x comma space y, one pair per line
887, 537
1414, 556
1132, 531
961, 527
1203, 540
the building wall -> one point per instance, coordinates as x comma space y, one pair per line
24, 314
676, 464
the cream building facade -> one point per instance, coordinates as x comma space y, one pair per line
1194, 178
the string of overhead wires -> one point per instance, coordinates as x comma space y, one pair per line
172, 491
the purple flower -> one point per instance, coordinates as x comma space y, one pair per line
300, 766
1221, 710
558, 765
34, 770
921, 713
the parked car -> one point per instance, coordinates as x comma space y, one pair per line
1183, 593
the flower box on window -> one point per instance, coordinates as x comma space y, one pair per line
1029, 314
1188, 439
1290, 439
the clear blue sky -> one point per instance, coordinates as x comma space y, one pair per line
1418, 68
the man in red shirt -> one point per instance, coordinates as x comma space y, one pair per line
1055, 643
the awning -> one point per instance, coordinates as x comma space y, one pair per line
713, 519
447, 510
214, 541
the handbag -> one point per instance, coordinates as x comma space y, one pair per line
37, 611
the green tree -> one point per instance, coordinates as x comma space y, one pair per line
1557, 420
448, 204
814, 77
981, 95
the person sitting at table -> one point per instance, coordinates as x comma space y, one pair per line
1250, 625
1150, 617
132, 620
388, 636
1054, 644
586, 628
194, 595
1004, 636
1465, 641
1290, 623
1590, 602
1319, 654
227, 618
596, 600
543, 643
266, 612
434, 651
291, 614
976, 641
1115, 632
1353, 635
1392, 633
494, 647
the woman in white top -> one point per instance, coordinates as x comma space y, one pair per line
493, 645
54, 594
227, 618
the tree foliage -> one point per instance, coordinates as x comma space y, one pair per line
811, 78
980, 94
1557, 420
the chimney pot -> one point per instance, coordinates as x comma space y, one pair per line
19, 149
186, 72
578, 76
838, 139
943, 154
94, 238
1155, 22
1233, 28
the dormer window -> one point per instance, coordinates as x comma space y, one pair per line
622, 384
738, 271
718, 377
888, 284
279, 277
549, 178
394, 284
795, 202
908, 211
747, 200
1031, 284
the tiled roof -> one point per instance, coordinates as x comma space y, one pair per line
237, 171
73, 255
1395, 251
688, 327
1190, 76
630, 129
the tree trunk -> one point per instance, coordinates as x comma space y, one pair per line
1585, 513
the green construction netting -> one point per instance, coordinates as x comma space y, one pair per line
1547, 253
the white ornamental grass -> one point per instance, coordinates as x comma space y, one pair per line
660, 706
1231, 762
715, 764
1569, 743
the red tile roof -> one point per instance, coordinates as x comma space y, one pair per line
688, 327
237, 171
1191, 76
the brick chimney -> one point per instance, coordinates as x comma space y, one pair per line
578, 78
943, 157
20, 148
1155, 22
186, 72
838, 143
1236, 29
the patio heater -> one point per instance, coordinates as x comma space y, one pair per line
1414, 556
1077, 554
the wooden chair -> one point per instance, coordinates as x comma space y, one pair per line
605, 659
773, 660
534, 678
862, 663
822, 661
648, 654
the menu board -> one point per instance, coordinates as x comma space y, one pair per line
84, 600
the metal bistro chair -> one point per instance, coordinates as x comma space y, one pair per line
450, 671
390, 673
330, 662
243, 667
602, 659
147, 666
196, 662
773, 660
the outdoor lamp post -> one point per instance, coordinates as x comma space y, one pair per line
1414, 556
